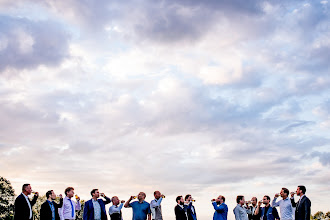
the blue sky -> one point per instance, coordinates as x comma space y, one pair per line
201, 97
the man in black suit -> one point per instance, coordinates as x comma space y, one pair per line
23, 205
303, 206
180, 209
49, 209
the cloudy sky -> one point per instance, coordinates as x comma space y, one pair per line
203, 97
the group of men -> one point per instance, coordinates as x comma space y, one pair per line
94, 209
269, 212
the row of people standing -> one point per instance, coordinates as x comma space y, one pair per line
289, 209
94, 208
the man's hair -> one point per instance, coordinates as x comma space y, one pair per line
178, 198
256, 198
68, 190
145, 195
48, 193
285, 190
113, 197
24, 186
156, 192
93, 191
239, 198
223, 198
302, 188
186, 197
268, 198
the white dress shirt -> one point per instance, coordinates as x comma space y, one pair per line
66, 211
28, 202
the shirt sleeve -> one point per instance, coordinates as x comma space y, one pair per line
78, 206
154, 204
219, 208
274, 203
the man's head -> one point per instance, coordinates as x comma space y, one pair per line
187, 198
69, 192
179, 200
221, 199
301, 190
266, 200
284, 193
254, 201
115, 200
95, 193
157, 194
50, 195
26, 189
141, 196
240, 200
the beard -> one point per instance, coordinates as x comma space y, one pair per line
181, 203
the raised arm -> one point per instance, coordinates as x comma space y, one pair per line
107, 200
128, 201
219, 208
274, 203
154, 204
78, 205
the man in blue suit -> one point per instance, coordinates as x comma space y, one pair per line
221, 209
191, 211
303, 206
94, 208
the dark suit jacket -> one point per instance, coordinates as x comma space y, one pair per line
89, 209
303, 209
46, 212
191, 215
180, 213
22, 210
253, 216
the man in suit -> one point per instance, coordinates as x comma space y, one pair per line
94, 208
23, 205
49, 209
191, 211
303, 206
221, 209
180, 209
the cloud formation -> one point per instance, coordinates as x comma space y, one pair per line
207, 98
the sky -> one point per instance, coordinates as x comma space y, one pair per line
212, 97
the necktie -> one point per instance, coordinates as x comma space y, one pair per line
72, 208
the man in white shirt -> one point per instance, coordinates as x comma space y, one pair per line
241, 212
284, 204
68, 210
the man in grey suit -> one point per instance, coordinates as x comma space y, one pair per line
303, 206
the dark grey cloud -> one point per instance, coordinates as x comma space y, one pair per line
324, 157
27, 44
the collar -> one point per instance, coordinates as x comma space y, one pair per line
94, 200
180, 206
25, 196
302, 196
49, 201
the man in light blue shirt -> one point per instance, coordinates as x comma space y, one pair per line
241, 212
284, 204
156, 207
